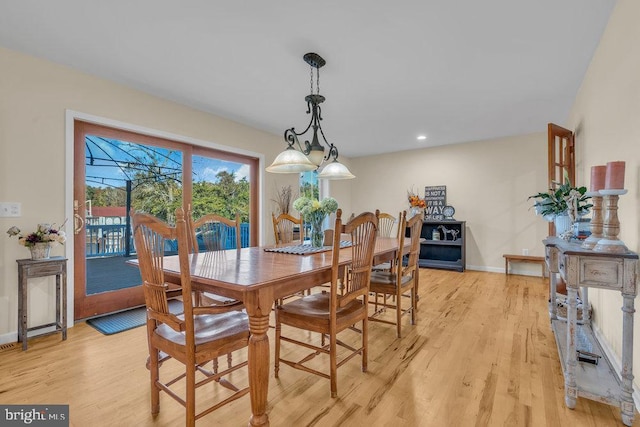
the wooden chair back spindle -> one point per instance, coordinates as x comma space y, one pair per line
283, 227
213, 232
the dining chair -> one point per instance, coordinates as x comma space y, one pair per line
386, 222
283, 226
330, 313
199, 335
211, 233
385, 227
402, 278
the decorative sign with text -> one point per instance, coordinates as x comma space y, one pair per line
436, 198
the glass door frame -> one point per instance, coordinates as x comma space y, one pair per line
76, 251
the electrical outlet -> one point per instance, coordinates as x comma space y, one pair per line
10, 209
525, 252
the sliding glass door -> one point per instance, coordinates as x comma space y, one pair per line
116, 171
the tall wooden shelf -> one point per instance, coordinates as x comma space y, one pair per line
445, 253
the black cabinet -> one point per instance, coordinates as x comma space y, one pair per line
447, 250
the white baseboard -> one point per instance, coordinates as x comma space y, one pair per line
13, 336
523, 272
8, 337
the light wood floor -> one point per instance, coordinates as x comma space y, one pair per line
482, 354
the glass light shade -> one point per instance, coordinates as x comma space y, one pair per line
316, 156
291, 161
335, 170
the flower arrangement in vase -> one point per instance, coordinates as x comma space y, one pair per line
564, 204
314, 212
40, 241
416, 204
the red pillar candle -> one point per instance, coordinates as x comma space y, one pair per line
598, 174
615, 176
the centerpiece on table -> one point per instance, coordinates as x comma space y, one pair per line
416, 204
40, 241
563, 206
314, 212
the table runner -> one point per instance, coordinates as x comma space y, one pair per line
305, 249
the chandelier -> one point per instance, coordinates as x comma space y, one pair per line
312, 155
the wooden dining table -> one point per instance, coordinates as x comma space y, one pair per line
257, 278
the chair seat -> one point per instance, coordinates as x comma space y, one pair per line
226, 326
386, 279
317, 307
207, 298
385, 266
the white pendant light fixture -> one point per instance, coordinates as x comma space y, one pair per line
291, 161
312, 155
335, 170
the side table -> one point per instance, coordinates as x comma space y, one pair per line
27, 269
587, 370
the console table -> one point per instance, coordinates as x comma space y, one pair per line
27, 269
586, 268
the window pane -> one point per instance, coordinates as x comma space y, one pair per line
222, 187
309, 185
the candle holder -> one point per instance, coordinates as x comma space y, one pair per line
611, 226
596, 220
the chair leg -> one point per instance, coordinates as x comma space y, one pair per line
229, 361
398, 298
333, 363
154, 371
190, 395
365, 343
413, 305
276, 366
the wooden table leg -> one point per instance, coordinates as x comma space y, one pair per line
258, 305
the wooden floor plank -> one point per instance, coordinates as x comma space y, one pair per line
482, 354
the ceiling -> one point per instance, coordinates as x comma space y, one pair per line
455, 71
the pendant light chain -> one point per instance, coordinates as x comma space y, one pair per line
311, 80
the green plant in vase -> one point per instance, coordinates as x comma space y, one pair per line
564, 201
314, 212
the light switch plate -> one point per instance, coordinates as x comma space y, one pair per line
10, 209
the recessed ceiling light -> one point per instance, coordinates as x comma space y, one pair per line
422, 137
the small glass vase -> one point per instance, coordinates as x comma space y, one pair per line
40, 250
317, 235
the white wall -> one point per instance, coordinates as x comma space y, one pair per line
605, 118
487, 182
